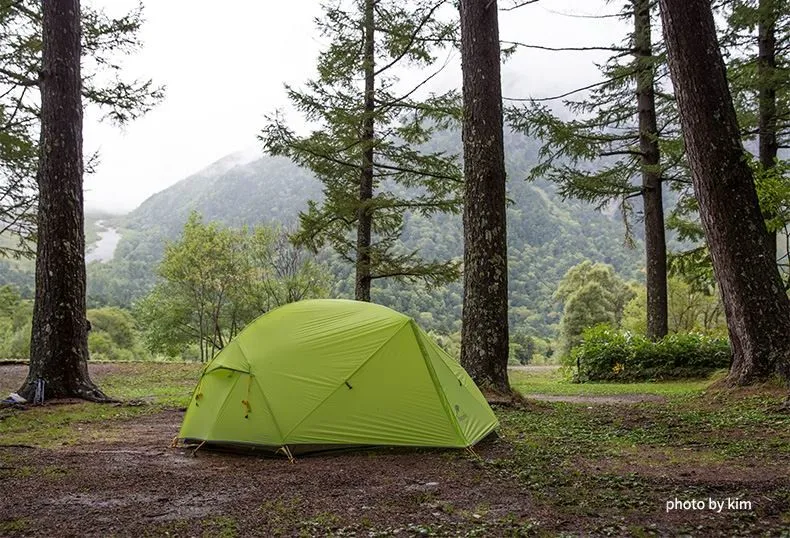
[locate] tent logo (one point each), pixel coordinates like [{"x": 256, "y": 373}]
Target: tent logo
[{"x": 460, "y": 414}]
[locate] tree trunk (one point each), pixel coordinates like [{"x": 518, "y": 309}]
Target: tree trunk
[
  {"x": 655, "y": 241},
  {"x": 484, "y": 344},
  {"x": 365, "y": 214},
  {"x": 59, "y": 341},
  {"x": 755, "y": 303},
  {"x": 766, "y": 68}
]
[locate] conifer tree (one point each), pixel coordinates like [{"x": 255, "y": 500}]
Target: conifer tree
[
  {"x": 756, "y": 306},
  {"x": 622, "y": 143},
  {"x": 105, "y": 41},
  {"x": 59, "y": 341},
  {"x": 370, "y": 139},
  {"x": 757, "y": 43},
  {"x": 485, "y": 331}
]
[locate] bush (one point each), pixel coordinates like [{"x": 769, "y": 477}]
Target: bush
[
  {"x": 102, "y": 348},
  {"x": 606, "y": 354}
]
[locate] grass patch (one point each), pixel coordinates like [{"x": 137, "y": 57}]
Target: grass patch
[
  {"x": 12, "y": 526},
  {"x": 551, "y": 382},
  {"x": 220, "y": 527},
  {"x": 146, "y": 388},
  {"x": 618, "y": 463}
]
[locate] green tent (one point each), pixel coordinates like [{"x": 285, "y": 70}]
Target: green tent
[{"x": 328, "y": 373}]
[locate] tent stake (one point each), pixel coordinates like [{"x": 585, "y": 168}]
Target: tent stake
[
  {"x": 287, "y": 453},
  {"x": 472, "y": 453},
  {"x": 198, "y": 448}
]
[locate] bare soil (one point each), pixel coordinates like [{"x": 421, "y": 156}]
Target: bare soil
[{"x": 127, "y": 481}]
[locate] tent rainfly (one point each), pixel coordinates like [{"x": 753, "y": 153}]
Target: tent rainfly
[{"x": 330, "y": 373}]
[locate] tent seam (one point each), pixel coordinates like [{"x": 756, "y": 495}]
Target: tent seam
[
  {"x": 343, "y": 382},
  {"x": 269, "y": 408},
  {"x": 436, "y": 385},
  {"x": 260, "y": 388},
  {"x": 224, "y": 404}
]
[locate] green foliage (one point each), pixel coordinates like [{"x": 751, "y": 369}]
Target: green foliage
[
  {"x": 113, "y": 335},
  {"x": 693, "y": 263},
  {"x": 214, "y": 280},
  {"x": 611, "y": 355},
  {"x": 408, "y": 177},
  {"x": 546, "y": 237},
  {"x": 105, "y": 41},
  {"x": 739, "y": 38},
  {"x": 16, "y": 317},
  {"x": 690, "y": 310},
  {"x": 117, "y": 323},
  {"x": 591, "y": 147},
  {"x": 592, "y": 294}
]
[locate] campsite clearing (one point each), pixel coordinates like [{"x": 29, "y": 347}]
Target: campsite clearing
[{"x": 597, "y": 467}]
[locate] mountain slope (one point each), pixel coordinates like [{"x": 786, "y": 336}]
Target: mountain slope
[{"x": 546, "y": 236}]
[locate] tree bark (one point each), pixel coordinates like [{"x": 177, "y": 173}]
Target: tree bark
[
  {"x": 484, "y": 341},
  {"x": 766, "y": 68},
  {"x": 59, "y": 341},
  {"x": 364, "y": 213},
  {"x": 655, "y": 240},
  {"x": 756, "y": 305}
]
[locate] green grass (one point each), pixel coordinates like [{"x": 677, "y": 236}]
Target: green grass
[
  {"x": 162, "y": 384},
  {"x": 142, "y": 388},
  {"x": 618, "y": 462},
  {"x": 551, "y": 382}
]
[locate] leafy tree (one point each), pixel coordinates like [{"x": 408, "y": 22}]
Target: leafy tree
[
  {"x": 15, "y": 314},
  {"x": 755, "y": 302},
  {"x": 118, "y": 324},
  {"x": 484, "y": 345},
  {"x": 592, "y": 294},
  {"x": 690, "y": 310},
  {"x": 214, "y": 280},
  {"x": 369, "y": 142},
  {"x": 104, "y": 41},
  {"x": 523, "y": 348}
]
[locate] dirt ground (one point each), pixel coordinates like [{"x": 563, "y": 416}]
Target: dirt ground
[{"x": 126, "y": 481}]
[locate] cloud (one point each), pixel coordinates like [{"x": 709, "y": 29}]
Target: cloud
[{"x": 224, "y": 65}]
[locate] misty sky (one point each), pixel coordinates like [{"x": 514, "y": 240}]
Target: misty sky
[{"x": 224, "y": 65}]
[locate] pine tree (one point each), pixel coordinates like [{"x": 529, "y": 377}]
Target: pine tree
[
  {"x": 755, "y": 304},
  {"x": 59, "y": 343},
  {"x": 484, "y": 344},
  {"x": 104, "y": 41},
  {"x": 369, "y": 146},
  {"x": 756, "y": 45},
  {"x": 611, "y": 151},
  {"x": 757, "y": 42}
]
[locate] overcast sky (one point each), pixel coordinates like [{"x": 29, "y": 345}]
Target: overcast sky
[{"x": 224, "y": 65}]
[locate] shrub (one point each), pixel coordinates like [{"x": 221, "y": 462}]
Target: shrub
[
  {"x": 102, "y": 348},
  {"x": 606, "y": 354}
]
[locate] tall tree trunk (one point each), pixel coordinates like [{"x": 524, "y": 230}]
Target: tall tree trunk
[
  {"x": 365, "y": 214},
  {"x": 755, "y": 303},
  {"x": 766, "y": 71},
  {"x": 655, "y": 241},
  {"x": 59, "y": 341},
  {"x": 484, "y": 343}
]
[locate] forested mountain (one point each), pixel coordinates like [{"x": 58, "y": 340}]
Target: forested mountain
[{"x": 546, "y": 236}]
